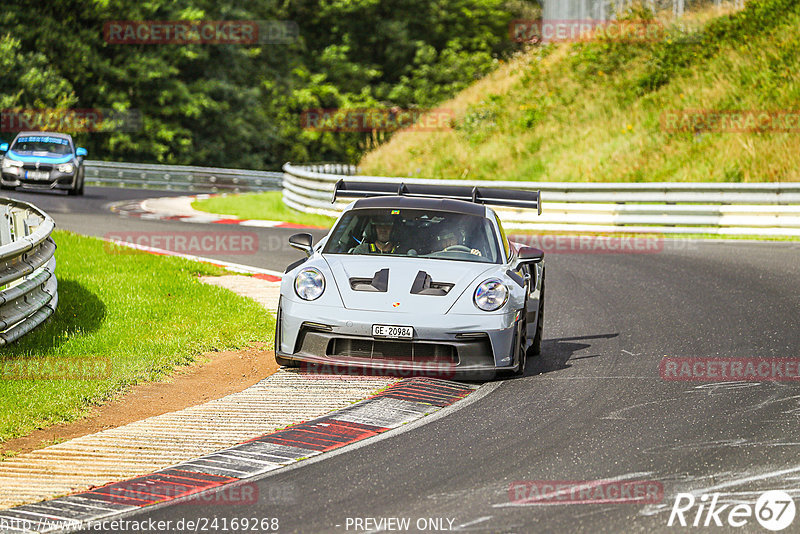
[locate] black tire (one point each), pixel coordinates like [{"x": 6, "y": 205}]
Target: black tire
[
  {"x": 278, "y": 359},
  {"x": 6, "y": 187},
  {"x": 78, "y": 189},
  {"x": 522, "y": 341},
  {"x": 536, "y": 347}
]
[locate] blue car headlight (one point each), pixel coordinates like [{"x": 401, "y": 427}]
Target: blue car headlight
[
  {"x": 309, "y": 284},
  {"x": 65, "y": 168},
  {"x": 490, "y": 295}
]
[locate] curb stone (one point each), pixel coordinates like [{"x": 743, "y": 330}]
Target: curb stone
[
  {"x": 179, "y": 209},
  {"x": 401, "y": 403}
]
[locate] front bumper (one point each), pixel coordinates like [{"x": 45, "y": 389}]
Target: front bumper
[
  {"x": 444, "y": 346},
  {"x": 15, "y": 177}
]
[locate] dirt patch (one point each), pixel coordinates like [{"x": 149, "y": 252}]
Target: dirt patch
[{"x": 226, "y": 372}]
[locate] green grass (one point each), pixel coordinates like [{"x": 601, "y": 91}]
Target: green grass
[
  {"x": 593, "y": 111},
  {"x": 268, "y": 205},
  {"x": 142, "y": 313}
]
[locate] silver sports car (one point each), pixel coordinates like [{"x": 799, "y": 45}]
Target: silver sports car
[{"x": 414, "y": 280}]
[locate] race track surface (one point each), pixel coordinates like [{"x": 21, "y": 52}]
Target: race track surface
[{"x": 593, "y": 406}]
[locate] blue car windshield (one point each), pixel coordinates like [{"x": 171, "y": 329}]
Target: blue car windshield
[
  {"x": 415, "y": 232},
  {"x": 33, "y": 145}
]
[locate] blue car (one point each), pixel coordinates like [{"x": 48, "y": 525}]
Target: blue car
[{"x": 43, "y": 160}]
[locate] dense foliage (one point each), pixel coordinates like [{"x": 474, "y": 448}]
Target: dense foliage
[
  {"x": 240, "y": 105},
  {"x": 605, "y": 109}
]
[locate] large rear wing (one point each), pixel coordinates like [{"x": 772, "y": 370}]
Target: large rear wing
[{"x": 495, "y": 196}]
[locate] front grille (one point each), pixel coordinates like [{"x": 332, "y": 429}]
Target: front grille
[
  {"x": 400, "y": 351},
  {"x": 42, "y": 167}
]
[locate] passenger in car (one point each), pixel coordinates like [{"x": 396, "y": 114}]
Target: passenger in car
[{"x": 451, "y": 241}]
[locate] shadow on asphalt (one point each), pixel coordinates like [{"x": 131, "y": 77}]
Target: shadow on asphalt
[{"x": 557, "y": 352}]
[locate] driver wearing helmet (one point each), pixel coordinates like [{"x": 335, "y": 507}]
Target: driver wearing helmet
[{"x": 379, "y": 237}]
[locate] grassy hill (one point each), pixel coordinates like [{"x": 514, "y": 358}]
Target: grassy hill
[{"x": 595, "y": 110}]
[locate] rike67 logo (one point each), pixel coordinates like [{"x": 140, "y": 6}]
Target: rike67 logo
[{"x": 774, "y": 510}]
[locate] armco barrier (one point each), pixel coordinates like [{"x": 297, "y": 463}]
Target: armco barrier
[
  {"x": 180, "y": 177},
  {"x": 758, "y": 209},
  {"x": 28, "y": 286}
]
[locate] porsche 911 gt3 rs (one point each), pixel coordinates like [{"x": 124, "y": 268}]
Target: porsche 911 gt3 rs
[{"x": 415, "y": 279}]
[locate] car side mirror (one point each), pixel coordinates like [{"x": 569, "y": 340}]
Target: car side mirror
[
  {"x": 4, "y": 147},
  {"x": 303, "y": 242},
  {"x": 530, "y": 255},
  {"x": 81, "y": 152}
]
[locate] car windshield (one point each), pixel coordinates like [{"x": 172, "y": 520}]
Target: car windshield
[
  {"x": 43, "y": 144},
  {"x": 414, "y": 232}
]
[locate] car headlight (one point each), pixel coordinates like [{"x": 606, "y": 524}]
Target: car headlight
[
  {"x": 491, "y": 295},
  {"x": 309, "y": 284},
  {"x": 8, "y": 163},
  {"x": 65, "y": 167}
]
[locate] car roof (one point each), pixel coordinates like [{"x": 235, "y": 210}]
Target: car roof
[
  {"x": 48, "y": 134},
  {"x": 423, "y": 203}
]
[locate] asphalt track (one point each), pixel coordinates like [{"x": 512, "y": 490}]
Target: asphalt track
[
  {"x": 90, "y": 215},
  {"x": 593, "y": 406}
]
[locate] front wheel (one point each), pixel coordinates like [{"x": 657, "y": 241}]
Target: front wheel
[
  {"x": 78, "y": 189},
  {"x": 75, "y": 191}
]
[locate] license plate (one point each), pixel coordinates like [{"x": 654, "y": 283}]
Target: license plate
[
  {"x": 393, "y": 332},
  {"x": 37, "y": 175}
]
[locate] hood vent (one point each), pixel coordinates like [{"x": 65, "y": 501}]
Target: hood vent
[
  {"x": 378, "y": 283},
  {"x": 424, "y": 285}
]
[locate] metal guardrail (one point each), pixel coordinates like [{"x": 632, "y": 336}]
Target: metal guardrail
[
  {"x": 180, "y": 177},
  {"x": 28, "y": 286},
  {"x": 657, "y": 207}
]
